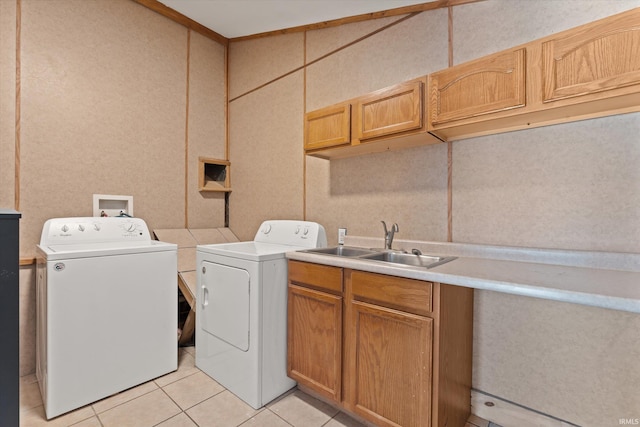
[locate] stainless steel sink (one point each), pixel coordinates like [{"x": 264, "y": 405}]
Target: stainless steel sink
[
  {"x": 393, "y": 257},
  {"x": 346, "y": 251},
  {"x": 426, "y": 261}
]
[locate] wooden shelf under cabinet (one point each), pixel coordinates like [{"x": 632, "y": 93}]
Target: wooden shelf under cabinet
[{"x": 213, "y": 174}]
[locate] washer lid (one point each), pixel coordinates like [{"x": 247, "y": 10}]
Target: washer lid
[
  {"x": 88, "y": 250},
  {"x": 252, "y": 251}
]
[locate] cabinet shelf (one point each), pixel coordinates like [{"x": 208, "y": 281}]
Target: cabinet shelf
[{"x": 213, "y": 174}]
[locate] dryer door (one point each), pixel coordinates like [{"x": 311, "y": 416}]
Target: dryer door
[{"x": 225, "y": 303}]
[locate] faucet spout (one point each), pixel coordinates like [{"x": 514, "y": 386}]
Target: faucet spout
[{"x": 389, "y": 234}]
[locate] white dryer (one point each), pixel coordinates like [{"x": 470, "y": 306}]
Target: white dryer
[
  {"x": 241, "y": 314},
  {"x": 106, "y": 309}
]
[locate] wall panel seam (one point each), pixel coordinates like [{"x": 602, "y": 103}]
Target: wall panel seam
[
  {"x": 304, "y": 109},
  {"x": 17, "y": 108},
  {"x": 404, "y": 18},
  {"x": 186, "y": 134},
  {"x": 449, "y": 143}
]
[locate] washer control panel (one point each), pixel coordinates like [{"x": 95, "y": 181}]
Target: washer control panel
[
  {"x": 77, "y": 230},
  {"x": 290, "y": 232}
]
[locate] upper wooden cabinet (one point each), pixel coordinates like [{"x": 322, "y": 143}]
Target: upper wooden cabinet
[
  {"x": 389, "y": 111},
  {"x": 582, "y": 73},
  {"x": 488, "y": 85},
  {"x": 387, "y": 119},
  {"x": 328, "y": 127},
  {"x": 598, "y": 57}
]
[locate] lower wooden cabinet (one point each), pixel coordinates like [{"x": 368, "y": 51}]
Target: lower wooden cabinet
[
  {"x": 315, "y": 340},
  {"x": 393, "y": 351},
  {"x": 314, "y": 328},
  {"x": 388, "y": 368}
]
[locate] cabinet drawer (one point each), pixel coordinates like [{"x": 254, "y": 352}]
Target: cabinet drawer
[
  {"x": 412, "y": 296},
  {"x": 316, "y": 276}
]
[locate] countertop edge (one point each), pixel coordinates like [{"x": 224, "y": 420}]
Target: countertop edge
[{"x": 515, "y": 287}]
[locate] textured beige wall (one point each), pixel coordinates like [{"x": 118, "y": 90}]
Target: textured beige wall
[
  {"x": 570, "y": 186},
  {"x": 252, "y": 63},
  {"x": 207, "y": 127},
  {"x": 407, "y": 187},
  {"x": 103, "y": 97},
  {"x": 494, "y": 25},
  {"x": 266, "y": 155},
  {"x": 573, "y": 186},
  {"x": 412, "y": 48},
  {"x": 103, "y": 94},
  {"x": 7, "y": 102}
]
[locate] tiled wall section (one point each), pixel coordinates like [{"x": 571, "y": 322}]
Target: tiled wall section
[{"x": 569, "y": 186}]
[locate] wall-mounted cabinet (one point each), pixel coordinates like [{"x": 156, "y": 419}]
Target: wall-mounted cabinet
[
  {"x": 213, "y": 174},
  {"x": 328, "y": 127},
  {"x": 586, "y": 72},
  {"x": 599, "y": 57},
  {"x": 387, "y": 119},
  {"x": 488, "y": 85}
]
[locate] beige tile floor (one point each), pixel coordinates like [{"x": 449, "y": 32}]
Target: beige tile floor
[{"x": 186, "y": 398}]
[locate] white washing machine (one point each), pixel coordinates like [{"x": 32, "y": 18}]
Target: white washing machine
[
  {"x": 241, "y": 314},
  {"x": 106, "y": 309}
]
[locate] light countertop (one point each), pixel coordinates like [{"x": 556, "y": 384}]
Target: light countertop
[{"x": 608, "y": 280}]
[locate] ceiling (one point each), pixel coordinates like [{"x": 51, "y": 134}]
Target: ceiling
[{"x": 239, "y": 18}]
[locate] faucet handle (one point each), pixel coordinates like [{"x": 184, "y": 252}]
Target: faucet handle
[
  {"x": 395, "y": 228},
  {"x": 384, "y": 224}
]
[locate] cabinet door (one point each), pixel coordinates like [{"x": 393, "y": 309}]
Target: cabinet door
[
  {"x": 492, "y": 84},
  {"x": 593, "y": 58},
  {"x": 327, "y": 127},
  {"x": 390, "y": 384},
  {"x": 314, "y": 344},
  {"x": 389, "y": 111}
]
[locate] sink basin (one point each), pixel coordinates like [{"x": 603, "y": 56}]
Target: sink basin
[
  {"x": 346, "y": 251},
  {"x": 426, "y": 261}
]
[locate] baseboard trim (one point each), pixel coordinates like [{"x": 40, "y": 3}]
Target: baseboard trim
[{"x": 509, "y": 414}]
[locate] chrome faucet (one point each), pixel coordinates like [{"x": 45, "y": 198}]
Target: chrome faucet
[{"x": 388, "y": 234}]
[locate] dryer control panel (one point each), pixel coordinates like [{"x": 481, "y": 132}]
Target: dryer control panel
[
  {"x": 290, "y": 232},
  {"x": 76, "y": 230}
]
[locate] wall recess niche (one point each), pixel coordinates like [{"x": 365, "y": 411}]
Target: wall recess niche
[{"x": 213, "y": 174}]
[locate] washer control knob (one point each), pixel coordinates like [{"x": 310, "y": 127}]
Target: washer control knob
[
  {"x": 65, "y": 228},
  {"x": 297, "y": 230},
  {"x": 80, "y": 227},
  {"x": 96, "y": 227},
  {"x": 130, "y": 227},
  {"x": 306, "y": 231},
  {"x": 266, "y": 229}
]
